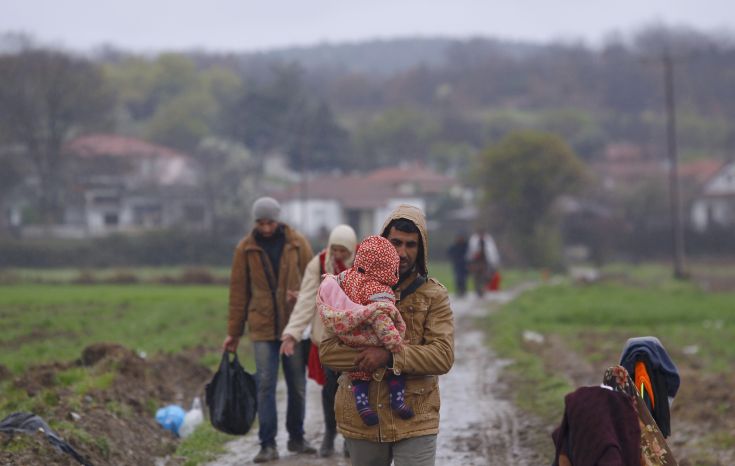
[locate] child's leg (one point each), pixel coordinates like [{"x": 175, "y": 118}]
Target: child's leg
[
  {"x": 361, "y": 390},
  {"x": 397, "y": 387}
]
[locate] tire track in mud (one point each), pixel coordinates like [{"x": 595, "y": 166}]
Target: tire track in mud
[{"x": 477, "y": 428}]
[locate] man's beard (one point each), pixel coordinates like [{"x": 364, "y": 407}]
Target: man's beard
[{"x": 402, "y": 276}]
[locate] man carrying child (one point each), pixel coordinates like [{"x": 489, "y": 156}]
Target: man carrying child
[{"x": 426, "y": 353}]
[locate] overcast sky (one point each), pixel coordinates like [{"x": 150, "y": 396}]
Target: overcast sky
[{"x": 150, "y": 25}]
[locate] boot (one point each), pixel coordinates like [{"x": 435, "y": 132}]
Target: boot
[
  {"x": 327, "y": 448},
  {"x": 300, "y": 446},
  {"x": 266, "y": 453}
]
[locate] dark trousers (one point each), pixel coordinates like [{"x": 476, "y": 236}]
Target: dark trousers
[
  {"x": 329, "y": 391},
  {"x": 460, "y": 281},
  {"x": 266, "y": 377}
]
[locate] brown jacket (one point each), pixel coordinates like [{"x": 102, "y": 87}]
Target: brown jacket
[
  {"x": 251, "y": 299},
  {"x": 429, "y": 352}
]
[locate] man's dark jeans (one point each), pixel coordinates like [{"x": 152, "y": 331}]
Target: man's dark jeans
[{"x": 266, "y": 377}]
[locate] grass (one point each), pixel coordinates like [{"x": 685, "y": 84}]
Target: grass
[
  {"x": 442, "y": 271},
  {"x": 46, "y": 317},
  {"x": 45, "y": 323},
  {"x": 203, "y": 445},
  {"x": 678, "y": 313},
  {"x": 106, "y": 274},
  {"x": 595, "y": 320}
]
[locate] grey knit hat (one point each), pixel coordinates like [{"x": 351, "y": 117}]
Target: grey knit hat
[{"x": 266, "y": 208}]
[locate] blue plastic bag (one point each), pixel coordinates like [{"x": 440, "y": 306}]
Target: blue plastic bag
[{"x": 171, "y": 417}]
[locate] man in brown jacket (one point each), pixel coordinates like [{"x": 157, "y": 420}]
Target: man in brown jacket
[
  {"x": 266, "y": 275},
  {"x": 428, "y": 353}
]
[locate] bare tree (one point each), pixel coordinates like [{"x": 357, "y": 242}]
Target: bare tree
[{"x": 44, "y": 96}]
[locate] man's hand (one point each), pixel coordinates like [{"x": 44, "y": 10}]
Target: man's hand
[
  {"x": 287, "y": 345},
  {"x": 292, "y": 296},
  {"x": 372, "y": 358},
  {"x": 230, "y": 344}
]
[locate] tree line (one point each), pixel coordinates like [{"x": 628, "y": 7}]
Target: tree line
[{"x": 439, "y": 102}]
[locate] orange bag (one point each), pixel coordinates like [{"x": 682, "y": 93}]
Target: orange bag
[{"x": 494, "y": 283}]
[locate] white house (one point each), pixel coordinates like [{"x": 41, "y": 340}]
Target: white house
[
  {"x": 321, "y": 202},
  {"x": 123, "y": 184},
  {"x": 715, "y": 205}
]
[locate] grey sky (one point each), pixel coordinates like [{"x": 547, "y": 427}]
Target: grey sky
[{"x": 252, "y": 25}]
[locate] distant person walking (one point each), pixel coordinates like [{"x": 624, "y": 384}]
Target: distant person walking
[
  {"x": 335, "y": 258},
  {"x": 267, "y": 269},
  {"x": 457, "y": 253},
  {"x": 483, "y": 259}
]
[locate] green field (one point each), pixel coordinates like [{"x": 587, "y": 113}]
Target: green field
[
  {"x": 680, "y": 316},
  {"x": 51, "y": 315},
  {"x": 594, "y": 320},
  {"x": 442, "y": 271},
  {"x": 44, "y": 323},
  {"x": 119, "y": 275},
  {"x": 47, "y": 316}
]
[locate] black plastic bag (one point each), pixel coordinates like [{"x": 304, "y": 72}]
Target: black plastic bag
[{"x": 232, "y": 398}]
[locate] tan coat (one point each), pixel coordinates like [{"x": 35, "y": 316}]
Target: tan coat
[
  {"x": 251, "y": 299},
  {"x": 429, "y": 352}
]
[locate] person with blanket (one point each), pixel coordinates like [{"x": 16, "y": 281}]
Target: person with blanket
[
  {"x": 366, "y": 315},
  {"x": 335, "y": 258},
  {"x": 609, "y": 425}
]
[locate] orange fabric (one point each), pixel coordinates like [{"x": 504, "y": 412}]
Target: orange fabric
[
  {"x": 642, "y": 378},
  {"x": 494, "y": 283}
]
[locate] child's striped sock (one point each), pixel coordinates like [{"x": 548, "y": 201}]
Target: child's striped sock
[{"x": 360, "y": 389}]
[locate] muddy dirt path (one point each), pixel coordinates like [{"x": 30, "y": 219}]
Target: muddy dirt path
[{"x": 478, "y": 426}]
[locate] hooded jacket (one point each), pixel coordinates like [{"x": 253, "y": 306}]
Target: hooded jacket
[
  {"x": 255, "y": 295},
  {"x": 374, "y": 272},
  {"x": 304, "y": 312},
  {"x": 428, "y": 352}
]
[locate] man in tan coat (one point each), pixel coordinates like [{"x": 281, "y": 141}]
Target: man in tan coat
[
  {"x": 267, "y": 269},
  {"x": 428, "y": 353}
]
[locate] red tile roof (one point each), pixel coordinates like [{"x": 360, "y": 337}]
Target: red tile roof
[
  {"x": 700, "y": 171},
  {"x": 427, "y": 180},
  {"x": 629, "y": 170},
  {"x": 352, "y": 191},
  {"x": 114, "y": 145},
  {"x": 371, "y": 190}
]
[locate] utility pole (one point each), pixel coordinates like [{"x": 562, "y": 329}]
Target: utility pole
[{"x": 677, "y": 229}]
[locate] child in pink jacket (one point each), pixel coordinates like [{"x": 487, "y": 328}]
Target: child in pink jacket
[{"x": 359, "y": 306}]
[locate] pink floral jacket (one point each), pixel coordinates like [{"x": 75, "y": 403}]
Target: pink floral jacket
[{"x": 356, "y": 325}]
